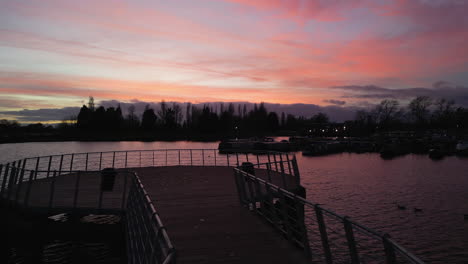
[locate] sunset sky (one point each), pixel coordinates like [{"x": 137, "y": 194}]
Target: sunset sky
[{"x": 54, "y": 54}]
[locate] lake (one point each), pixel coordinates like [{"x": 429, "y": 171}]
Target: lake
[{"x": 362, "y": 186}]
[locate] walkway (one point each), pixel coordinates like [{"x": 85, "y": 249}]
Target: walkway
[{"x": 205, "y": 221}]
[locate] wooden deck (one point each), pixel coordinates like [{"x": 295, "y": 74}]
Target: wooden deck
[{"x": 198, "y": 205}]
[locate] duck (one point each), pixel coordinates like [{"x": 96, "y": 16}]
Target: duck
[{"x": 401, "y": 207}]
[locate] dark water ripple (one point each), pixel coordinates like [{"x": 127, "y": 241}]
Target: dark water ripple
[{"x": 368, "y": 189}]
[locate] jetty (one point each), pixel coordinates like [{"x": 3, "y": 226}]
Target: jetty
[{"x": 198, "y": 206}]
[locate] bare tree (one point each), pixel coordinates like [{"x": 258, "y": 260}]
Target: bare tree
[
  {"x": 91, "y": 105},
  {"x": 177, "y": 113},
  {"x": 387, "y": 112},
  {"x": 163, "y": 111},
  {"x": 444, "y": 112},
  {"x": 419, "y": 109}
]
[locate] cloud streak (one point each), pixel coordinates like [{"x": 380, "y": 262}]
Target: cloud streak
[
  {"x": 439, "y": 90},
  {"x": 298, "y": 51}
]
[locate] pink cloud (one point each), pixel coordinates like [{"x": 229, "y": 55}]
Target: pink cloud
[{"x": 282, "y": 62}]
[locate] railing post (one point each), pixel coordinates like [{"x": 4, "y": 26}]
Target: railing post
[
  {"x": 139, "y": 166},
  {"x": 113, "y": 159},
  {"x": 351, "y": 241},
  {"x": 273, "y": 209},
  {"x": 37, "y": 167},
  {"x": 126, "y": 159},
  {"x": 100, "y": 161},
  {"x": 15, "y": 176},
  {"x": 227, "y": 158},
  {"x": 11, "y": 179},
  {"x": 28, "y": 190},
  {"x": 247, "y": 157},
  {"x": 276, "y": 163},
  {"x": 48, "y": 167},
  {"x": 86, "y": 161},
  {"x": 268, "y": 167},
  {"x": 323, "y": 234},
  {"x": 5, "y": 176},
  {"x": 153, "y": 158},
  {"x": 296, "y": 170},
  {"x": 259, "y": 196},
  {"x": 20, "y": 183},
  {"x": 300, "y": 218},
  {"x": 283, "y": 175},
  {"x": 191, "y": 158},
  {"x": 214, "y": 155},
  {"x": 284, "y": 211},
  {"x": 258, "y": 161},
  {"x": 166, "y": 157},
  {"x": 237, "y": 159},
  {"x": 238, "y": 179},
  {"x": 52, "y": 189},
  {"x": 77, "y": 187},
  {"x": 289, "y": 165},
  {"x": 60, "y": 167},
  {"x": 252, "y": 199},
  {"x": 1, "y": 178},
  {"x": 100, "y": 197},
  {"x": 124, "y": 191},
  {"x": 390, "y": 256},
  {"x": 24, "y": 164},
  {"x": 71, "y": 162},
  {"x": 179, "y": 157},
  {"x": 203, "y": 157}
]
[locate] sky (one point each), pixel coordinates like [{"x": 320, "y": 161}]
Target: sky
[{"x": 353, "y": 53}]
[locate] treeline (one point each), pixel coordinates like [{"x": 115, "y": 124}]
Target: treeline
[
  {"x": 210, "y": 122},
  {"x": 172, "y": 119},
  {"x": 422, "y": 113}
]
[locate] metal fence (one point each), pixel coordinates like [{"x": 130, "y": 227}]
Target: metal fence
[
  {"x": 78, "y": 191},
  {"x": 323, "y": 235},
  {"x": 147, "y": 239},
  {"x": 18, "y": 173}
]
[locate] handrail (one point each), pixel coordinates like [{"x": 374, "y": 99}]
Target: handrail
[
  {"x": 147, "y": 238},
  {"x": 296, "y": 216},
  {"x": 148, "y": 241},
  {"x": 149, "y": 150},
  {"x": 44, "y": 166}
]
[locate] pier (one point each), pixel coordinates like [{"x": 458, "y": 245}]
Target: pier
[{"x": 199, "y": 206}]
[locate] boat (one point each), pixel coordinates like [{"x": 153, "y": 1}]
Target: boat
[
  {"x": 462, "y": 148},
  {"x": 253, "y": 145},
  {"x": 323, "y": 148},
  {"x": 436, "y": 154}
]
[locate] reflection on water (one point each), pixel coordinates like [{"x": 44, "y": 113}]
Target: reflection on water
[
  {"x": 369, "y": 189},
  {"x": 21, "y": 150},
  {"x": 362, "y": 186}
]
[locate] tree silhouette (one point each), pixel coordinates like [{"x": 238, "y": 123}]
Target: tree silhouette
[{"x": 148, "y": 120}]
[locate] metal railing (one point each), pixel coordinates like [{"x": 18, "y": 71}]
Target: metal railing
[
  {"x": 78, "y": 191},
  {"x": 17, "y": 172},
  {"x": 147, "y": 239},
  {"x": 323, "y": 235}
]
